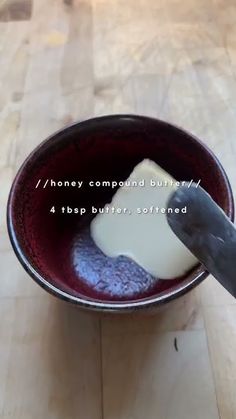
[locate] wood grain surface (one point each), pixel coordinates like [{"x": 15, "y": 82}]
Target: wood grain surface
[{"x": 62, "y": 61}]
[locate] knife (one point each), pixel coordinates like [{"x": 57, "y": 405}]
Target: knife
[{"x": 206, "y": 231}]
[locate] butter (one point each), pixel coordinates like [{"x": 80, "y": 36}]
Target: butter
[{"x": 134, "y": 224}]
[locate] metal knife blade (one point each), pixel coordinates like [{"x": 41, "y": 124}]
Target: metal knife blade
[{"x": 206, "y": 231}]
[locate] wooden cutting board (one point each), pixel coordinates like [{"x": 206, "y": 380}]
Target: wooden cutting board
[{"x": 66, "y": 61}]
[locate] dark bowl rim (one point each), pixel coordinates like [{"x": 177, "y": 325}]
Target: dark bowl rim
[{"x": 126, "y": 306}]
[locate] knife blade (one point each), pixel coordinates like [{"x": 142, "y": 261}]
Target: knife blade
[{"x": 206, "y": 231}]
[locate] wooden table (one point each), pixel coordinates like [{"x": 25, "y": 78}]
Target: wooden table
[{"x": 64, "y": 61}]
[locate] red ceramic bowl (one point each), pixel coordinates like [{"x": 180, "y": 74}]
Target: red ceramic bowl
[{"x": 55, "y": 248}]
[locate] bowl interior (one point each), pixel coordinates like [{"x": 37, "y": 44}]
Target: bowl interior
[{"x": 57, "y": 247}]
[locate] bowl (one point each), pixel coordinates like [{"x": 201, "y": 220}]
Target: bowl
[{"x": 55, "y": 247}]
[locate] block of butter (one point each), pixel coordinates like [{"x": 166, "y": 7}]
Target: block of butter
[{"x": 134, "y": 224}]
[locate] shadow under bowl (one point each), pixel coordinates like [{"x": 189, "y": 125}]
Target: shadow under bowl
[{"x": 57, "y": 250}]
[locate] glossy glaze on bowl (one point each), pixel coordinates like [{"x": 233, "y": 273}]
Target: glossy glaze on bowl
[{"x": 56, "y": 249}]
